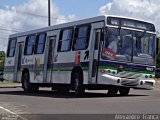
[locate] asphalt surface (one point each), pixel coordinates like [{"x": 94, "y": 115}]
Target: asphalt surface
[{"x": 13, "y": 101}]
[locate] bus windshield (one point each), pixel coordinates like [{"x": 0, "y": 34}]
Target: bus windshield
[{"x": 129, "y": 46}]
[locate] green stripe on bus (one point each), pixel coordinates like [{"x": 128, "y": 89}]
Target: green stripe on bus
[
  {"x": 129, "y": 70},
  {"x": 107, "y": 67},
  {"x": 144, "y": 72},
  {"x": 66, "y": 69}
]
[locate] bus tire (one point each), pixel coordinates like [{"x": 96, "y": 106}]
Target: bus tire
[
  {"x": 26, "y": 85},
  {"x": 77, "y": 83},
  {"x": 112, "y": 91},
  {"x": 124, "y": 91}
]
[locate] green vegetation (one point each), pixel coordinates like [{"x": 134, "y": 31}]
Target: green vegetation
[
  {"x": 7, "y": 83},
  {"x": 157, "y": 79},
  {"x": 2, "y": 58}
]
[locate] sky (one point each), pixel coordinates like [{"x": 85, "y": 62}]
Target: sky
[
  {"x": 23, "y": 15},
  {"x": 79, "y": 7}
]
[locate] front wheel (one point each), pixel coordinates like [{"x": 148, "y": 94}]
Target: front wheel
[
  {"x": 77, "y": 83},
  {"x": 124, "y": 91},
  {"x": 112, "y": 91}
]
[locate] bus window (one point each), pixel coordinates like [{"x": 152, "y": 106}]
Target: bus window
[
  {"x": 145, "y": 48},
  {"x": 11, "y": 47},
  {"x": 127, "y": 44},
  {"x": 40, "y": 44},
  {"x": 111, "y": 49},
  {"x": 29, "y": 46},
  {"x": 65, "y": 39},
  {"x": 81, "y": 38}
]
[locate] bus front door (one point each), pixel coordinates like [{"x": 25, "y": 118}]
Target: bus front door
[{"x": 95, "y": 52}]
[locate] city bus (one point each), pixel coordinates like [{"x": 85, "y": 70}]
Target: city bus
[{"x": 109, "y": 53}]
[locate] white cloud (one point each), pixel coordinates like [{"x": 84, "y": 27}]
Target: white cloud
[
  {"x": 30, "y": 15},
  {"x": 142, "y": 9}
]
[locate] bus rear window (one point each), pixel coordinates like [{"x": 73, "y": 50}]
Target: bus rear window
[{"x": 11, "y": 47}]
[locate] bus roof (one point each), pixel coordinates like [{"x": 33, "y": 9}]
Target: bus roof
[
  {"x": 74, "y": 23},
  {"x": 63, "y": 25}
]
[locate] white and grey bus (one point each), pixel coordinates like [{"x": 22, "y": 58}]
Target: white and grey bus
[{"x": 105, "y": 52}]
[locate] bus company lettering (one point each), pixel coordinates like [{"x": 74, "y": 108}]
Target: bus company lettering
[
  {"x": 109, "y": 52},
  {"x": 77, "y": 58},
  {"x": 26, "y": 60}
]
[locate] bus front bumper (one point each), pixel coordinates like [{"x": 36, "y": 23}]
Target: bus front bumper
[{"x": 132, "y": 83}]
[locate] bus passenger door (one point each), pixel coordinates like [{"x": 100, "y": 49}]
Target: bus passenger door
[
  {"x": 50, "y": 57},
  {"x": 94, "y": 52},
  {"x": 18, "y": 59}
]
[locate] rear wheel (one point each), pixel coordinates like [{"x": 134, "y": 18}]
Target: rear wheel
[
  {"x": 112, "y": 91},
  {"x": 26, "y": 85},
  {"x": 77, "y": 83},
  {"x": 124, "y": 91}
]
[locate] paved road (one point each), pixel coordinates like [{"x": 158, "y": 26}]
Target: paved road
[{"x": 15, "y": 101}]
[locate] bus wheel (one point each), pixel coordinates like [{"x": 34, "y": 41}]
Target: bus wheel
[
  {"x": 26, "y": 85},
  {"x": 124, "y": 91},
  {"x": 78, "y": 83},
  {"x": 112, "y": 91}
]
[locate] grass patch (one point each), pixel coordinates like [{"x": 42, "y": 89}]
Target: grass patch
[
  {"x": 8, "y": 83},
  {"x": 157, "y": 79}
]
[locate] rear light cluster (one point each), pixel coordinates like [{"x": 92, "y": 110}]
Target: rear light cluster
[{"x": 108, "y": 71}]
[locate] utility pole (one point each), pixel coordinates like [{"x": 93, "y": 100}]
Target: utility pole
[{"x": 49, "y": 12}]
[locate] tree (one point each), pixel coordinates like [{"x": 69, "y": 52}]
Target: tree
[{"x": 2, "y": 58}]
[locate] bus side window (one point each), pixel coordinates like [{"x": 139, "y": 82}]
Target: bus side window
[
  {"x": 65, "y": 38},
  {"x": 11, "y": 47},
  {"x": 81, "y": 38},
  {"x": 29, "y": 45},
  {"x": 40, "y": 44}
]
